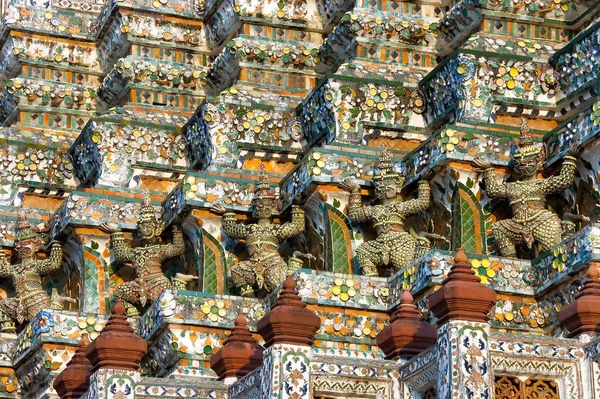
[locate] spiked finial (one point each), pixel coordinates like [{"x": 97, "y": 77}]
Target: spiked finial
[
  {"x": 118, "y": 346},
  {"x": 147, "y": 212},
  {"x": 24, "y": 230},
  {"x": 525, "y": 138},
  {"x": 240, "y": 353},
  {"x": 582, "y": 316},
  {"x": 386, "y": 166},
  {"x": 408, "y": 334},
  {"x": 263, "y": 188},
  {"x": 462, "y": 295}
]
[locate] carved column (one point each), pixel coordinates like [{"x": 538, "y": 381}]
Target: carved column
[
  {"x": 288, "y": 331},
  {"x": 462, "y": 305}
]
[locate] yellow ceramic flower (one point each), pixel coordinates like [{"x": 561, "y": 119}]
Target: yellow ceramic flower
[
  {"x": 344, "y": 289},
  {"x": 560, "y": 257},
  {"x": 483, "y": 269},
  {"x": 214, "y": 309}
]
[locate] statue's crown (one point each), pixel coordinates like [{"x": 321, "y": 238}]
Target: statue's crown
[
  {"x": 527, "y": 149},
  {"x": 24, "y": 230},
  {"x": 147, "y": 212},
  {"x": 263, "y": 188},
  {"x": 385, "y": 168}
]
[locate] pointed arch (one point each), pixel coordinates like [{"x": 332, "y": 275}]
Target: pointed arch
[
  {"x": 340, "y": 256},
  {"x": 468, "y": 222},
  {"x": 214, "y": 276}
]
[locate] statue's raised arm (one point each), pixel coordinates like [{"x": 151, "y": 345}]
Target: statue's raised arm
[
  {"x": 295, "y": 227},
  {"x": 53, "y": 262},
  {"x": 566, "y": 176},
  {"x": 493, "y": 188},
  {"x": 423, "y": 200},
  {"x": 229, "y": 225},
  {"x": 177, "y": 247},
  {"x": 121, "y": 251}
]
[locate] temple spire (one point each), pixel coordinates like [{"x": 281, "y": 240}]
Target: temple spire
[
  {"x": 582, "y": 316},
  {"x": 117, "y": 346},
  {"x": 462, "y": 296},
  {"x": 240, "y": 353}
]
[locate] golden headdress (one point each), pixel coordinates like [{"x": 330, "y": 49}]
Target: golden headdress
[
  {"x": 263, "y": 188},
  {"x": 147, "y": 212},
  {"x": 385, "y": 169},
  {"x": 527, "y": 149}
]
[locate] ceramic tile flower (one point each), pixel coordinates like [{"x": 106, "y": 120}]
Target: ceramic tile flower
[
  {"x": 483, "y": 268},
  {"x": 214, "y": 309},
  {"x": 449, "y": 140},
  {"x": 344, "y": 289},
  {"x": 560, "y": 258},
  {"x": 44, "y": 322},
  {"x": 61, "y": 328},
  {"x": 91, "y": 326},
  {"x": 167, "y": 304}
]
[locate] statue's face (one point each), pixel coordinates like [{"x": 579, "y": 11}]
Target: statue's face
[
  {"x": 146, "y": 230},
  {"x": 263, "y": 208},
  {"x": 526, "y": 167},
  {"x": 27, "y": 248},
  {"x": 386, "y": 189}
]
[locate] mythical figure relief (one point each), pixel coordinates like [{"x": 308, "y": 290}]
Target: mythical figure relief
[
  {"x": 265, "y": 267},
  {"x": 393, "y": 246},
  {"x": 531, "y": 222},
  {"x": 147, "y": 260},
  {"x": 27, "y": 277}
]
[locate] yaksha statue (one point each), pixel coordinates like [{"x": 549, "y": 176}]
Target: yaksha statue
[
  {"x": 531, "y": 221},
  {"x": 265, "y": 267},
  {"x": 393, "y": 246},
  {"x": 27, "y": 277},
  {"x": 147, "y": 260}
]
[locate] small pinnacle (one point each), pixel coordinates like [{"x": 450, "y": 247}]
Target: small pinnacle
[
  {"x": 85, "y": 340},
  {"x": 240, "y": 320},
  {"x": 406, "y": 297},
  {"x": 118, "y": 308},
  {"x": 593, "y": 272},
  {"x": 461, "y": 256},
  {"x": 289, "y": 283}
]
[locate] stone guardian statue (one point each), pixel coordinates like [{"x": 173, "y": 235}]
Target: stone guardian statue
[
  {"x": 265, "y": 267},
  {"x": 147, "y": 260},
  {"x": 27, "y": 277},
  {"x": 393, "y": 246},
  {"x": 531, "y": 222}
]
